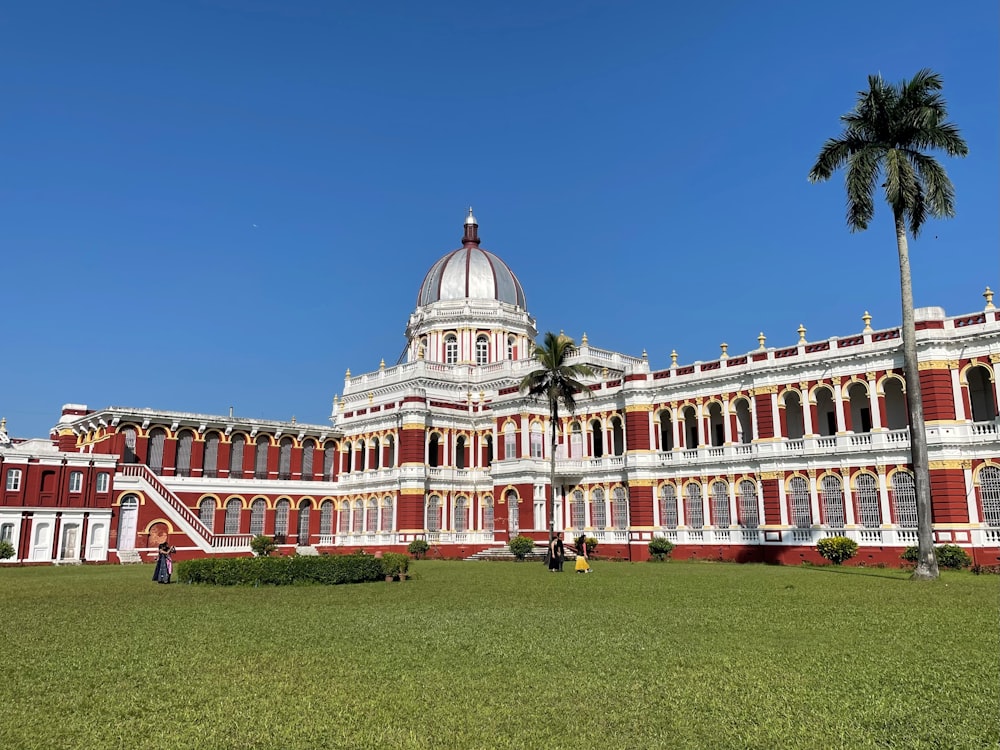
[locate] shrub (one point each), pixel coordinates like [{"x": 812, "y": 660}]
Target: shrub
[
  {"x": 521, "y": 546},
  {"x": 418, "y": 548},
  {"x": 836, "y": 549},
  {"x": 262, "y": 545},
  {"x": 395, "y": 564},
  {"x": 948, "y": 556},
  {"x": 660, "y": 549},
  {"x": 6, "y": 550},
  {"x": 591, "y": 543},
  {"x": 281, "y": 571}
]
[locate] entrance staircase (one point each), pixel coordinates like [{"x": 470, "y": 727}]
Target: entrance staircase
[{"x": 503, "y": 553}]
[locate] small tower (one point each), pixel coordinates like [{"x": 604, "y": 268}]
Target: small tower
[{"x": 471, "y": 237}]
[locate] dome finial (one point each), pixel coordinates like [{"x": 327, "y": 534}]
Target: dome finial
[
  {"x": 470, "y": 219},
  {"x": 471, "y": 235}
]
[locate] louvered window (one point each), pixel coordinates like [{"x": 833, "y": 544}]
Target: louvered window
[
  {"x": 371, "y": 517},
  {"x": 75, "y": 481},
  {"x": 536, "y": 441},
  {"x": 482, "y": 350},
  {"x": 461, "y": 515},
  {"x": 308, "y": 449},
  {"x": 450, "y": 350},
  {"x": 236, "y": 457},
  {"x": 866, "y": 501},
  {"x": 184, "y": 444},
  {"x": 344, "y": 518},
  {"x": 326, "y": 518},
  {"x": 329, "y": 456},
  {"x": 692, "y": 506},
  {"x": 281, "y": 518},
  {"x": 832, "y": 499},
  {"x": 749, "y": 512},
  {"x": 358, "y": 518},
  {"x": 210, "y": 464},
  {"x": 130, "y": 456},
  {"x": 598, "y": 509},
  {"x": 509, "y": 442},
  {"x": 156, "y": 440},
  {"x": 904, "y": 500},
  {"x": 989, "y": 493},
  {"x": 386, "y": 522},
  {"x": 103, "y": 480},
  {"x": 233, "y": 516},
  {"x": 303, "y": 530},
  {"x": 798, "y": 489},
  {"x": 578, "y": 511},
  {"x": 720, "y": 504},
  {"x": 433, "y": 513},
  {"x": 260, "y": 457},
  {"x": 206, "y": 512},
  {"x": 668, "y": 506},
  {"x": 619, "y": 508},
  {"x": 257, "y": 509},
  {"x": 285, "y": 458},
  {"x": 488, "y": 514}
]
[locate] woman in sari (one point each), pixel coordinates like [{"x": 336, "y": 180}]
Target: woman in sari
[
  {"x": 164, "y": 564},
  {"x": 582, "y": 563}
]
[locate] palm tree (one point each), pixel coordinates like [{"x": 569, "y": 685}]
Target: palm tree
[
  {"x": 883, "y": 144},
  {"x": 555, "y": 381}
]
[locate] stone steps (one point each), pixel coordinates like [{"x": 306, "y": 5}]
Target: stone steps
[{"x": 503, "y": 553}]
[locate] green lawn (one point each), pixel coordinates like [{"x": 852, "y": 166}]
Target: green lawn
[{"x": 503, "y": 655}]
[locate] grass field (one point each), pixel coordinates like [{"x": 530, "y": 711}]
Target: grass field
[{"x": 503, "y": 655}]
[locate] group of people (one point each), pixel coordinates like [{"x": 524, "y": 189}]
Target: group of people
[
  {"x": 557, "y": 554},
  {"x": 164, "y": 563}
]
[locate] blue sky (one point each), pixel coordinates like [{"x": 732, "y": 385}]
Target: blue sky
[{"x": 230, "y": 202}]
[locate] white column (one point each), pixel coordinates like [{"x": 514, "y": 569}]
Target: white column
[
  {"x": 970, "y": 497},
  {"x": 956, "y": 393},
  {"x": 706, "y": 499},
  {"x": 674, "y": 427},
  {"x": 838, "y": 400},
  {"x": 775, "y": 416},
  {"x": 782, "y": 502},
  {"x": 699, "y": 416},
  {"x": 653, "y": 428},
  {"x": 727, "y": 424},
  {"x": 814, "y": 500},
  {"x": 849, "y": 515},
  {"x": 996, "y": 380},
  {"x": 873, "y": 402},
  {"x": 883, "y": 496},
  {"x": 807, "y": 414},
  {"x": 681, "y": 500},
  {"x": 733, "y": 514}
]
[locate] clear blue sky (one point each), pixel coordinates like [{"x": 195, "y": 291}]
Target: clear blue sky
[{"x": 230, "y": 202}]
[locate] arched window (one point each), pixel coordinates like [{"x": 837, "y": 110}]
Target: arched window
[
  {"x": 798, "y": 491},
  {"x": 326, "y": 518},
  {"x": 744, "y": 421},
  {"x": 866, "y": 501},
  {"x": 511, "y": 341},
  {"x": 488, "y": 443},
  {"x": 371, "y": 517},
  {"x": 749, "y": 514},
  {"x": 308, "y": 454},
  {"x": 692, "y": 506},
  {"x": 690, "y": 427},
  {"x": 461, "y": 515},
  {"x": 390, "y": 445},
  {"x": 575, "y": 441},
  {"x": 617, "y": 437},
  {"x": 832, "y": 501},
  {"x": 826, "y": 413},
  {"x": 386, "y": 522},
  {"x": 232, "y": 517},
  {"x": 460, "y": 452},
  {"x": 362, "y": 449},
  {"x": 597, "y": 436},
  {"x": 488, "y": 514},
  {"x": 127, "y": 519},
  {"x": 260, "y": 458},
  {"x": 184, "y": 443},
  {"x": 433, "y": 522},
  {"x": 236, "y": 457},
  {"x": 358, "y": 517},
  {"x": 210, "y": 462},
  {"x": 537, "y": 441},
  {"x": 984, "y": 407},
  {"x": 206, "y": 512},
  {"x": 794, "y": 424},
  {"x": 433, "y": 450},
  {"x": 303, "y": 531},
  {"x": 895, "y": 404},
  {"x": 157, "y": 437},
  {"x": 284, "y": 458},
  {"x": 376, "y": 453},
  {"x": 716, "y": 427},
  {"x": 329, "y": 456},
  {"x": 861, "y": 410},
  {"x": 720, "y": 504},
  {"x": 619, "y": 508},
  {"x": 668, "y": 506},
  {"x": 598, "y": 509},
  {"x": 257, "y": 509},
  {"x": 482, "y": 350},
  {"x": 129, "y": 456},
  {"x": 509, "y": 442},
  {"x": 450, "y": 349},
  {"x": 989, "y": 495},
  {"x": 666, "y": 431},
  {"x": 344, "y": 518},
  {"x": 281, "y": 519},
  {"x": 904, "y": 500},
  {"x": 513, "y": 516},
  {"x": 578, "y": 511}
]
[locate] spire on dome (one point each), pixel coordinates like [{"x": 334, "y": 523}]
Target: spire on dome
[{"x": 471, "y": 235}]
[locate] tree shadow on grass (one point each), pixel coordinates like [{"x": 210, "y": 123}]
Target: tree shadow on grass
[{"x": 853, "y": 570}]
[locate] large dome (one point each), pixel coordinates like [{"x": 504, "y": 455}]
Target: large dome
[{"x": 471, "y": 273}]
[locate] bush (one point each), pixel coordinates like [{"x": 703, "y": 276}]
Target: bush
[
  {"x": 660, "y": 549},
  {"x": 395, "y": 564},
  {"x": 281, "y": 571},
  {"x": 591, "y": 543},
  {"x": 948, "y": 556},
  {"x": 836, "y": 549},
  {"x": 418, "y": 548},
  {"x": 521, "y": 546},
  {"x": 262, "y": 545},
  {"x": 6, "y": 550}
]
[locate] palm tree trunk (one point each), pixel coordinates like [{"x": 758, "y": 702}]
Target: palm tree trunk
[
  {"x": 927, "y": 567},
  {"x": 552, "y": 471}
]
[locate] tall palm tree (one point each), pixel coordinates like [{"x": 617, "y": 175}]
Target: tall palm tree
[
  {"x": 883, "y": 144},
  {"x": 555, "y": 381}
]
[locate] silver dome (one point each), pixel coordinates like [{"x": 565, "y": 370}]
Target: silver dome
[{"x": 471, "y": 273}]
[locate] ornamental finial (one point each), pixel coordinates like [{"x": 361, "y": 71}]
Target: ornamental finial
[
  {"x": 761, "y": 338},
  {"x": 988, "y": 294},
  {"x": 867, "y": 318},
  {"x": 802, "y": 334},
  {"x": 673, "y": 358},
  {"x": 470, "y": 219},
  {"x": 583, "y": 339},
  {"x": 725, "y": 350}
]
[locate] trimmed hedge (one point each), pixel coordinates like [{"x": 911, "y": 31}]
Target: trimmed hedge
[{"x": 283, "y": 571}]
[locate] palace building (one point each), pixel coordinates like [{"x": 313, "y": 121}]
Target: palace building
[{"x": 753, "y": 456}]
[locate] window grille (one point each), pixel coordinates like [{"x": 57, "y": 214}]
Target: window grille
[
  {"x": 184, "y": 443},
  {"x": 578, "y": 511},
  {"x": 598, "y": 509},
  {"x": 285, "y": 458},
  {"x": 386, "y": 523},
  {"x": 358, "y": 517},
  {"x": 692, "y": 506},
  {"x": 257, "y": 509},
  {"x": 210, "y": 464},
  {"x": 14, "y": 480},
  {"x": 326, "y": 518},
  {"x": 236, "y": 457},
  {"x": 103, "y": 481},
  {"x": 156, "y": 439},
  {"x": 260, "y": 458},
  {"x": 749, "y": 513},
  {"x": 989, "y": 493},
  {"x": 904, "y": 500},
  {"x": 206, "y": 512},
  {"x": 308, "y": 451},
  {"x": 513, "y": 520},
  {"x": 668, "y": 506},
  {"x": 329, "y": 454},
  {"x": 281, "y": 518},
  {"x": 619, "y": 508},
  {"x": 75, "y": 481},
  {"x": 344, "y": 519},
  {"x": 482, "y": 350},
  {"x": 461, "y": 515},
  {"x": 866, "y": 501},
  {"x": 433, "y": 513},
  {"x": 303, "y": 530},
  {"x": 371, "y": 521},
  {"x": 488, "y": 514},
  {"x": 798, "y": 490},
  {"x": 130, "y": 457},
  {"x": 233, "y": 516},
  {"x": 450, "y": 350},
  {"x": 832, "y": 499},
  {"x": 720, "y": 504}
]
